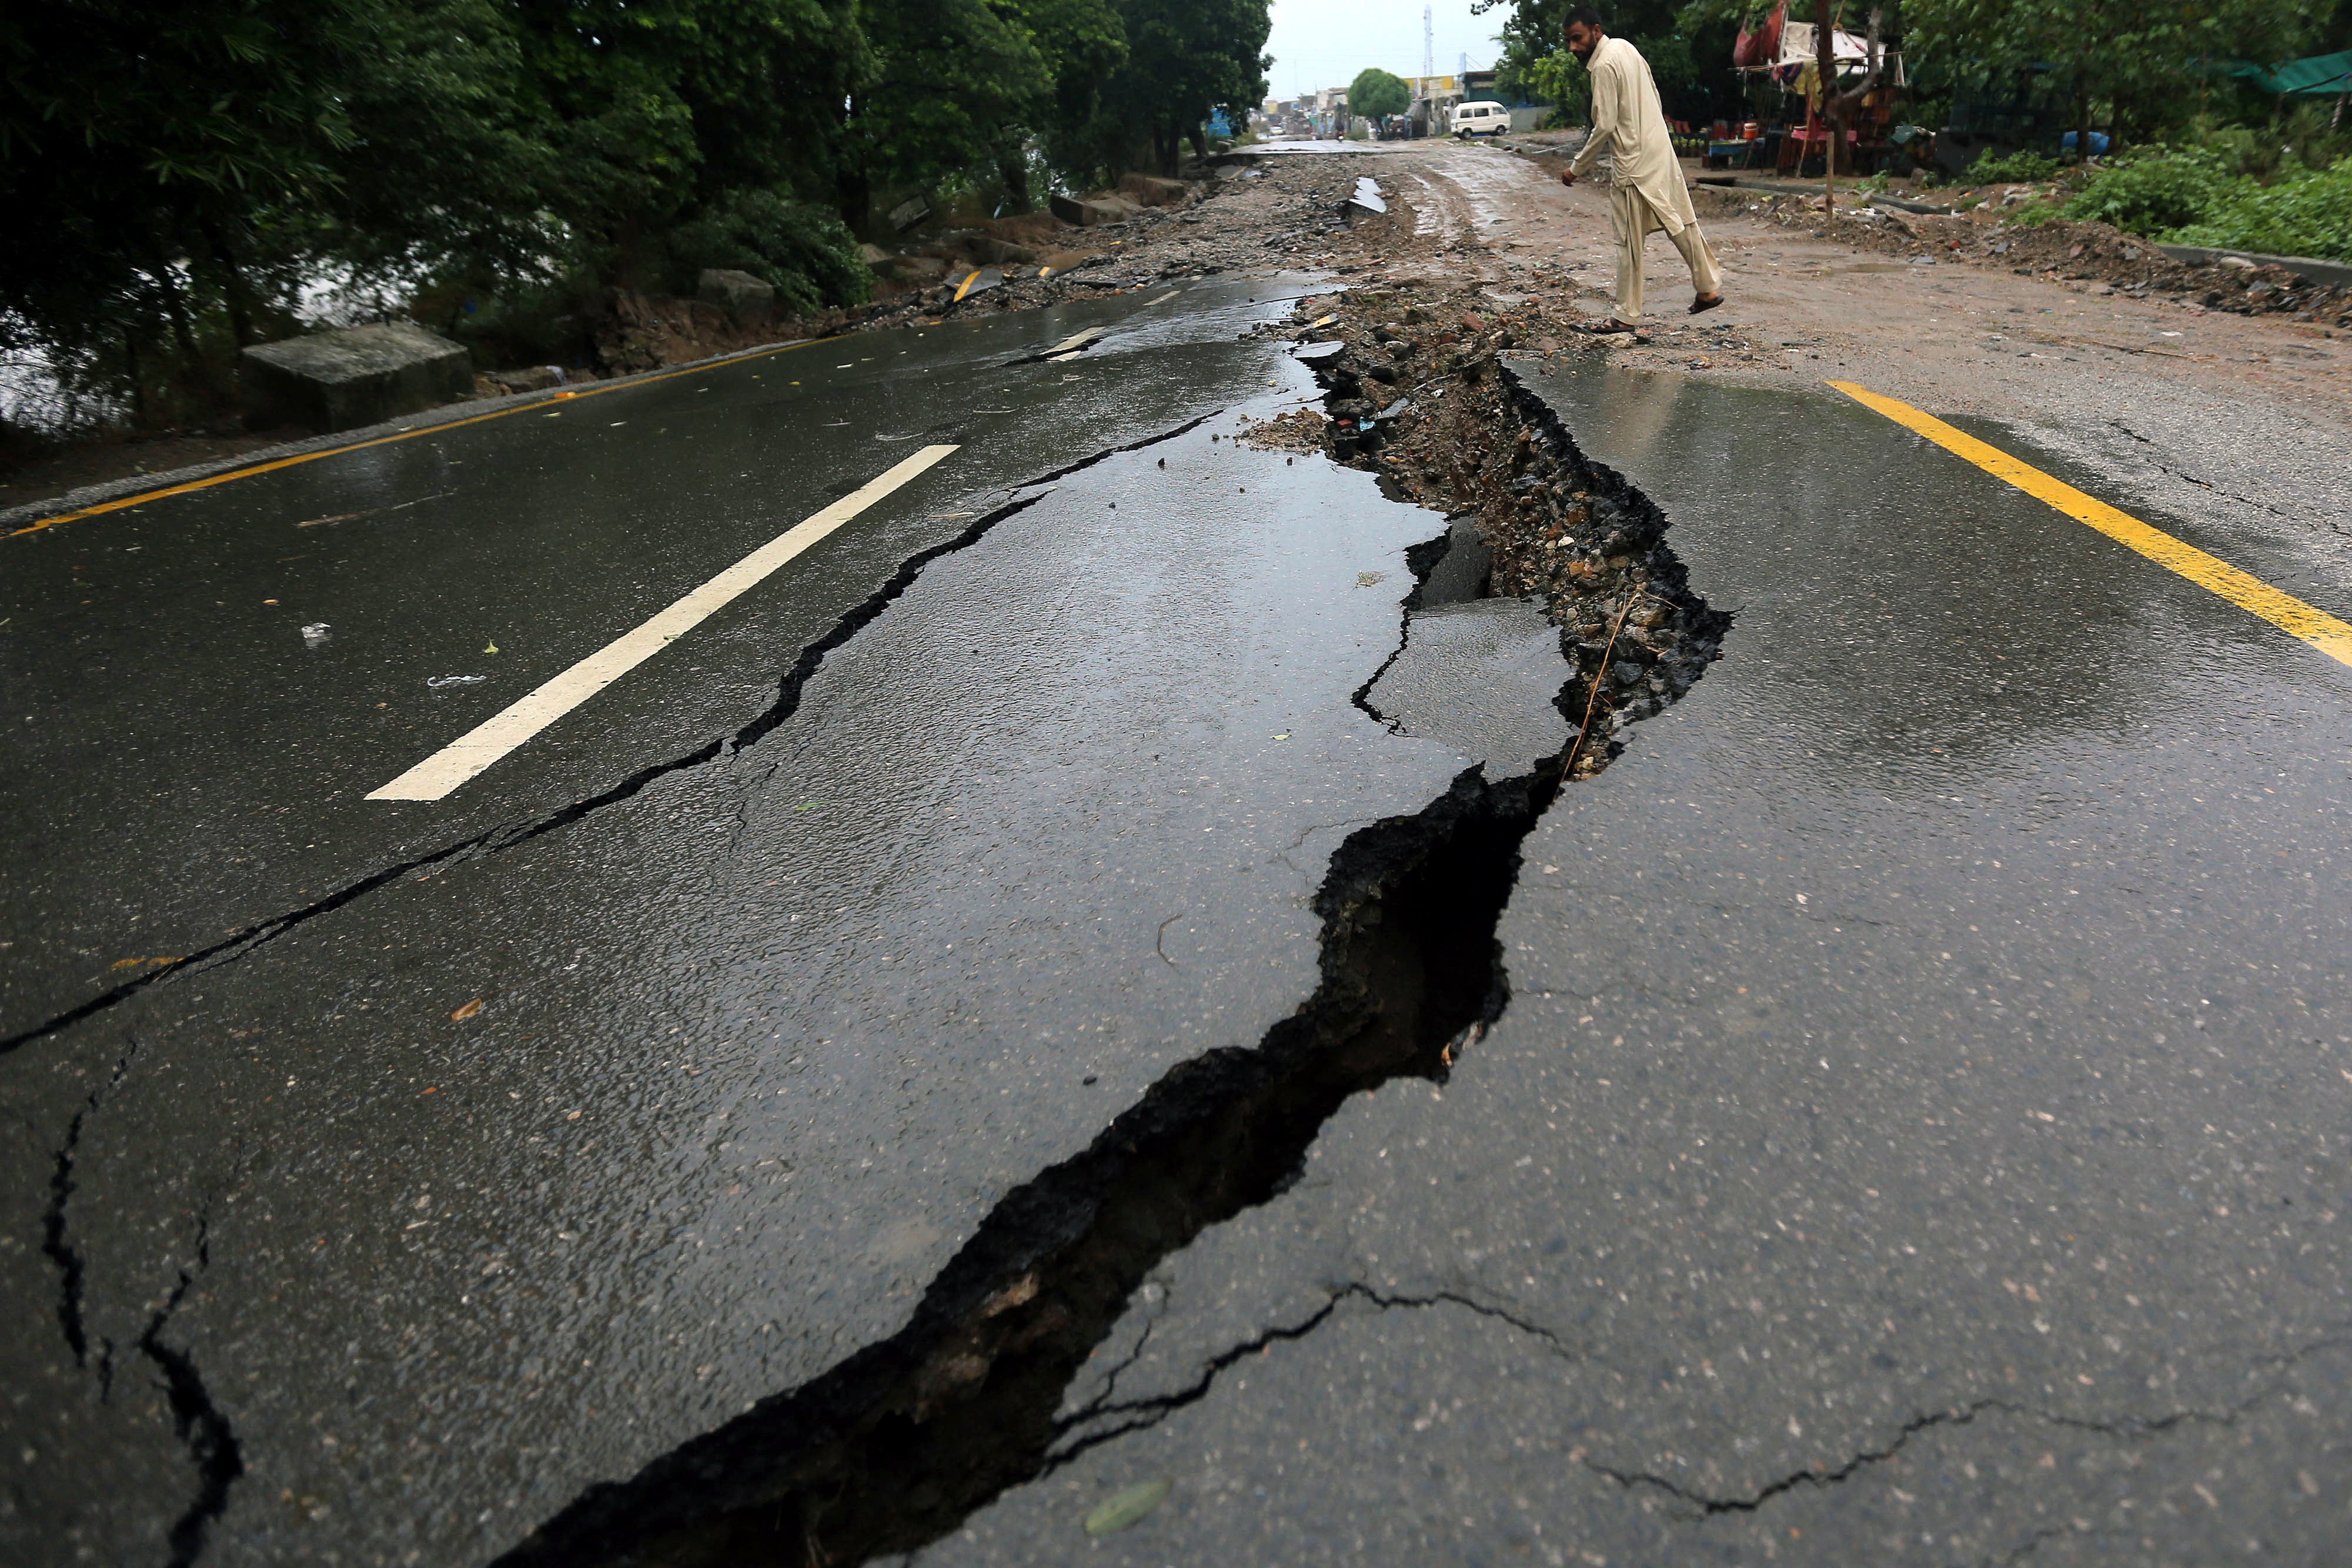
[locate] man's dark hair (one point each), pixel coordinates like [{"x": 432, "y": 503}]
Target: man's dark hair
[{"x": 1584, "y": 14}]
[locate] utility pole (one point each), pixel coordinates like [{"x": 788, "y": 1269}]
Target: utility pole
[{"x": 1826, "y": 67}]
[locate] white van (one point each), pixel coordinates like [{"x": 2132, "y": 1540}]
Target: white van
[{"x": 1483, "y": 119}]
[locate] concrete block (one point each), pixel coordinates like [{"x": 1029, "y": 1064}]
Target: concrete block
[
  {"x": 1094, "y": 211},
  {"x": 532, "y": 378},
  {"x": 2310, "y": 270},
  {"x": 740, "y": 294},
  {"x": 361, "y": 375},
  {"x": 1150, "y": 190}
]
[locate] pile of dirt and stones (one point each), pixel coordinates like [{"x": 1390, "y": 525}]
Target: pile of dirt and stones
[
  {"x": 1422, "y": 388},
  {"x": 1246, "y": 213},
  {"x": 2087, "y": 252}
]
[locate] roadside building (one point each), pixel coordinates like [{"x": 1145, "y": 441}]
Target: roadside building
[{"x": 1433, "y": 101}]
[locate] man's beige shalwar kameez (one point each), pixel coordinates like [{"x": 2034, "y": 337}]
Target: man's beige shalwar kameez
[{"x": 1629, "y": 125}]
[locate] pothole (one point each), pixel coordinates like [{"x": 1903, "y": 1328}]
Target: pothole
[{"x": 898, "y": 1444}]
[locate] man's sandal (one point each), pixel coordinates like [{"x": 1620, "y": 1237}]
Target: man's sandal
[
  {"x": 1699, "y": 305},
  {"x": 1608, "y": 329}
]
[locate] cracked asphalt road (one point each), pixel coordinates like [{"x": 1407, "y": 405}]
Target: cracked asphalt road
[
  {"x": 1916, "y": 1134},
  {"x": 310, "y": 1258},
  {"x": 185, "y": 766}
]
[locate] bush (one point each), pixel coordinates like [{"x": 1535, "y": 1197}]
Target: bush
[
  {"x": 2307, "y": 213},
  {"x": 2158, "y": 191},
  {"x": 808, "y": 254},
  {"x": 2198, "y": 195},
  {"x": 2017, "y": 169}
]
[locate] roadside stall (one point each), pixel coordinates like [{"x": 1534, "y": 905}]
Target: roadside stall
[{"x": 1783, "y": 54}]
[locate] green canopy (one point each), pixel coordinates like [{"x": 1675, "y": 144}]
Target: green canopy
[{"x": 2321, "y": 76}]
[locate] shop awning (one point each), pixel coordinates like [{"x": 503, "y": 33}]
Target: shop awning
[{"x": 2320, "y": 76}]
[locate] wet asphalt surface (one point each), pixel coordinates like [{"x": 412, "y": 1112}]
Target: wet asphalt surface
[
  {"x": 760, "y": 1038},
  {"x": 1917, "y": 1131},
  {"x": 185, "y": 764}
]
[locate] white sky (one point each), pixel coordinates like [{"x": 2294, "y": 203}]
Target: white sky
[{"x": 1324, "y": 43}]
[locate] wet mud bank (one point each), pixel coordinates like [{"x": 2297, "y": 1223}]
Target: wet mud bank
[{"x": 897, "y": 1446}]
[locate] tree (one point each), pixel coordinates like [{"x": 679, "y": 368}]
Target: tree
[
  {"x": 180, "y": 173},
  {"x": 169, "y": 164},
  {"x": 1185, "y": 58},
  {"x": 2133, "y": 59},
  {"x": 654, "y": 108},
  {"x": 951, "y": 80},
  {"x": 1687, "y": 42},
  {"x": 1083, "y": 42},
  {"x": 1375, "y": 94}
]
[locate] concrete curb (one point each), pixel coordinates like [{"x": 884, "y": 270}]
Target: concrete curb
[
  {"x": 1905, "y": 204},
  {"x": 2313, "y": 271}
]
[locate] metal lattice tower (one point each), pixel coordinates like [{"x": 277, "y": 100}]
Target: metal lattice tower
[{"x": 1428, "y": 44}]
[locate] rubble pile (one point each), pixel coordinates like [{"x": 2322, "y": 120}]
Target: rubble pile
[
  {"x": 1300, "y": 430},
  {"x": 1276, "y": 210},
  {"x": 2085, "y": 253},
  {"x": 1422, "y": 391}
]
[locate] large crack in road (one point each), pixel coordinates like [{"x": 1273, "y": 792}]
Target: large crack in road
[
  {"x": 901, "y": 1440},
  {"x": 899, "y": 1444}
]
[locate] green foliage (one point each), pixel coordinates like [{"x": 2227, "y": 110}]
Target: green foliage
[
  {"x": 1560, "y": 80},
  {"x": 2307, "y": 213},
  {"x": 181, "y": 172},
  {"x": 2017, "y": 169},
  {"x": 1185, "y": 58},
  {"x": 807, "y": 253},
  {"x": 1375, "y": 93},
  {"x": 1687, "y": 42},
  {"x": 2125, "y": 60},
  {"x": 2157, "y": 190},
  {"x": 1673, "y": 65},
  {"x": 2202, "y": 196}
]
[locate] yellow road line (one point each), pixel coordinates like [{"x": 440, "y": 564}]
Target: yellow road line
[
  {"x": 2283, "y": 611},
  {"x": 272, "y": 466}
]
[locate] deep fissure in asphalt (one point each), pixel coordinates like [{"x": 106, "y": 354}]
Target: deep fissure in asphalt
[
  {"x": 202, "y": 1428},
  {"x": 901, "y": 1442}
]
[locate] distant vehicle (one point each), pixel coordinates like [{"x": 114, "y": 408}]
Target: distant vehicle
[{"x": 1483, "y": 119}]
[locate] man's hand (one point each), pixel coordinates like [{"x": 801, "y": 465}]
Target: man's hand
[{"x": 1568, "y": 176}]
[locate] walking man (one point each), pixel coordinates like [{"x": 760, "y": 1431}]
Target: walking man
[{"x": 1647, "y": 191}]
